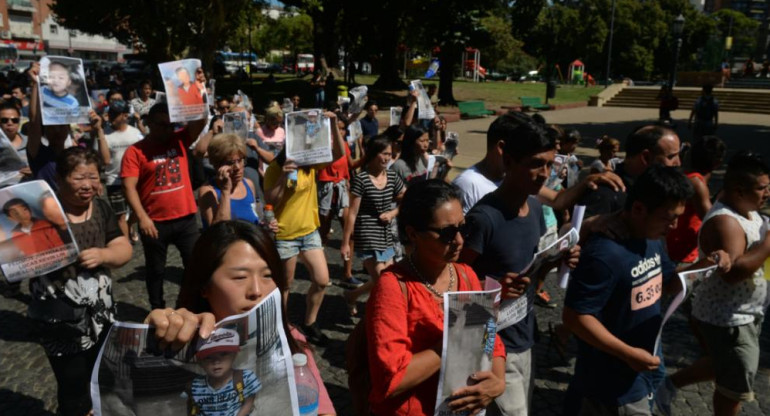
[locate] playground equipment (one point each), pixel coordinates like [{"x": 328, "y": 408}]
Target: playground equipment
[{"x": 576, "y": 72}]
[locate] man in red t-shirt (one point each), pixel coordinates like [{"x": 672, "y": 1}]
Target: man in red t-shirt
[
  {"x": 156, "y": 182},
  {"x": 31, "y": 235}
]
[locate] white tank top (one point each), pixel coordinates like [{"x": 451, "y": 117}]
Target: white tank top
[{"x": 723, "y": 304}]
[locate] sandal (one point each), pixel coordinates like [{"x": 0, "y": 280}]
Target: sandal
[{"x": 350, "y": 302}]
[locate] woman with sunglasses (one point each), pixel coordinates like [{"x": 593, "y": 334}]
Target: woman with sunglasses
[
  {"x": 10, "y": 121},
  {"x": 235, "y": 265},
  {"x": 228, "y": 195},
  {"x": 373, "y": 193},
  {"x": 405, "y": 318}
]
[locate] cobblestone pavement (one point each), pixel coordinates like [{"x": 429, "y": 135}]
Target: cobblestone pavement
[{"x": 28, "y": 387}]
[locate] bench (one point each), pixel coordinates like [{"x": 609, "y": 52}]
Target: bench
[
  {"x": 473, "y": 109},
  {"x": 533, "y": 102}
]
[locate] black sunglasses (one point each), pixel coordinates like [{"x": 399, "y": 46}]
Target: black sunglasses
[
  {"x": 14, "y": 120},
  {"x": 447, "y": 234}
]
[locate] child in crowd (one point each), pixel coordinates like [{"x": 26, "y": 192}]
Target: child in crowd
[
  {"x": 608, "y": 149},
  {"x": 223, "y": 390},
  {"x": 57, "y": 91},
  {"x": 568, "y": 146}
]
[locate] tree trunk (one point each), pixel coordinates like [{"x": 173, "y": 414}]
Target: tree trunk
[
  {"x": 389, "y": 78},
  {"x": 448, "y": 60}
]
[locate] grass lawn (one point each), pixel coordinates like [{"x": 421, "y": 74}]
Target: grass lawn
[{"x": 494, "y": 93}]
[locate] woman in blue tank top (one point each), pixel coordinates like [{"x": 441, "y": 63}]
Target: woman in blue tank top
[{"x": 228, "y": 195}]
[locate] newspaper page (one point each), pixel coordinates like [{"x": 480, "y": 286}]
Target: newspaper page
[
  {"x": 424, "y": 107},
  {"x": 469, "y": 340},
  {"x": 514, "y": 310},
  {"x": 35, "y": 237},
  {"x": 684, "y": 277},
  {"x": 578, "y": 212},
  {"x": 357, "y": 99},
  {"x": 247, "y": 355},
  {"x": 451, "y": 144},
  {"x": 11, "y": 161},
  {"x": 395, "y": 115},
  {"x": 237, "y": 123},
  {"x": 355, "y": 131},
  {"x": 63, "y": 93},
  {"x": 185, "y": 96},
  {"x": 308, "y": 137}
]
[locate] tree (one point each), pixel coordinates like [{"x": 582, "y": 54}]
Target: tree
[
  {"x": 293, "y": 33},
  {"x": 165, "y": 29},
  {"x": 742, "y": 28}
]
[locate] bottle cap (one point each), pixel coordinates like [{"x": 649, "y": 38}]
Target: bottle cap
[
  {"x": 300, "y": 360},
  {"x": 268, "y": 207}
]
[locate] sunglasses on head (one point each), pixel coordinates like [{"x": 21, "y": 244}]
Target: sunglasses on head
[{"x": 447, "y": 234}]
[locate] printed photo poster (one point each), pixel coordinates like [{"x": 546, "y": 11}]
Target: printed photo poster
[
  {"x": 185, "y": 96},
  {"x": 63, "y": 93},
  {"x": 354, "y": 131},
  {"x": 247, "y": 354},
  {"x": 98, "y": 97},
  {"x": 237, "y": 123},
  {"x": 35, "y": 237},
  {"x": 424, "y": 107},
  {"x": 395, "y": 115},
  {"x": 357, "y": 99},
  {"x": 469, "y": 338},
  {"x": 11, "y": 162},
  {"x": 451, "y": 144},
  {"x": 308, "y": 137}
]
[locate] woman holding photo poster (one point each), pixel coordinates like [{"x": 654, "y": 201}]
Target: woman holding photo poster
[
  {"x": 415, "y": 162},
  {"x": 293, "y": 191},
  {"x": 74, "y": 306},
  {"x": 235, "y": 265},
  {"x": 405, "y": 316}
]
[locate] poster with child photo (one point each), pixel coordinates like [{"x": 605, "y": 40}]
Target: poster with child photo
[
  {"x": 63, "y": 93},
  {"x": 243, "y": 368},
  {"x": 308, "y": 137},
  {"x": 185, "y": 85},
  {"x": 35, "y": 237}
]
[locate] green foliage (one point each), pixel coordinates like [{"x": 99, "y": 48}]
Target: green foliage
[
  {"x": 744, "y": 31},
  {"x": 292, "y": 33}
]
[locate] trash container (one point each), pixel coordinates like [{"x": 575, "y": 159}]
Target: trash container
[{"x": 550, "y": 89}]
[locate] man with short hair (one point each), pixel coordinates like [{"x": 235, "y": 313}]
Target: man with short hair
[
  {"x": 156, "y": 183},
  {"x": 506, "y": 226},
  {"x": 18, "y": 92},
  {"x": 729, "y": 306},
  {"x": 704, "y": 117},
  {"x": 369, "y": 124},
  {"x": 613, "y": 301},
  {"x": 122, "y": 136},
  {"x": 30, "y": 235},
  {"x": 223, "y": 105}
]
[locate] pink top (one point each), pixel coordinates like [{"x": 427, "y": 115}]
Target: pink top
[
  {"x": 325, "y": 406},
  {"x": 274, "y": 139}
]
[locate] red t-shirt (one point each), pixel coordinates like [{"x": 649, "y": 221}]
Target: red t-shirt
[
  {"x": 190, "y": 97},
  {"x": 337, "y": 171},
  {"x": 164, "y": 179},
  {"x": 682, "y": 241},
  {"x": 43, "y": 236},
  {"x": 395, "y": 332}
]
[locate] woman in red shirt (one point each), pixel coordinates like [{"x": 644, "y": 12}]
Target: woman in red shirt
[{"x": 405, "y": 332}]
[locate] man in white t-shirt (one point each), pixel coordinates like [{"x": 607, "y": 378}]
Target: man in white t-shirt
[{"x": 119, "y": 140}]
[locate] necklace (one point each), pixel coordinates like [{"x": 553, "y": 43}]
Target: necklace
[{"x": 429, "y": 286}]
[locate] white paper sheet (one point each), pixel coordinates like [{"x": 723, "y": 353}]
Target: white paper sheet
[
  {"x": 681, "y": 296},
  {"x": 578, "y": 212},
  {"x": 308, "y": 137}
]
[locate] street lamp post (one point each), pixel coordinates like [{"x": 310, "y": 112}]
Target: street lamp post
[
  {"x": 609, "y": 46},
  {"x": 677, "y": 31}
]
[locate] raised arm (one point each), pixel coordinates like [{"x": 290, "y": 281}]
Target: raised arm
[
  {"x": 104, "y": 147},
  {"x": 35, "y": 132}
]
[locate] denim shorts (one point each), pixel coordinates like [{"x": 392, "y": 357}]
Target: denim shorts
[
  {"x": 381, "y": 256},
  {"x": 291, "y": 248}
]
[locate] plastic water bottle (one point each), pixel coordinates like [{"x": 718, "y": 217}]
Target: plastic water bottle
[
  {"x": 268, "y": 215},
  {"x": 307, "y": 388}
]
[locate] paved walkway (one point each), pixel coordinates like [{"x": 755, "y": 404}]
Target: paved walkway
[{"x": 27, "y": 385}]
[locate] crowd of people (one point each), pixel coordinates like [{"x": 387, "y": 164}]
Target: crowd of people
[{"x": 242, "y": 215}]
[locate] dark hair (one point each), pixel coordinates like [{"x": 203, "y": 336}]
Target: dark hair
[
  {"x": 145, "y": 82},
  {"x": 409, "y": 145},
  {"x": 528, "y": 139},
  {"x": 207, "y": 256},
  {"x": 157, "y": 108},
  {"x": 706, "y": 153},
  {"x": 12, "y": 203},
  {"x": 117, "y": 108},
  {"x": 744, "y": 169},
  {"x": 659, "y": 185},
  {"x": 421, "y": 200},
  {"x": 393, "y": 132},
  {"x": 572, "y": 136},
  {"x": 539, "y": 119},
  {"x": 71, "y": 157},
  {"x": 374, "y": 147},
  {"x": 369, "y": 104},
  {"x": 646, "y": 138},
  {"x": 112, "y": 92},
  {"x": 708, "y": 89},
  {"x": 9, "y": 105},
  {"x": 504, "y": 126}
]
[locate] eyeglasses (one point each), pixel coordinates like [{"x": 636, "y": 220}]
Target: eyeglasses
[
  {"x": 447, "y": 234},
  {"x": 14, "y": 120},
  {"x": 233, "y": 162}
]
